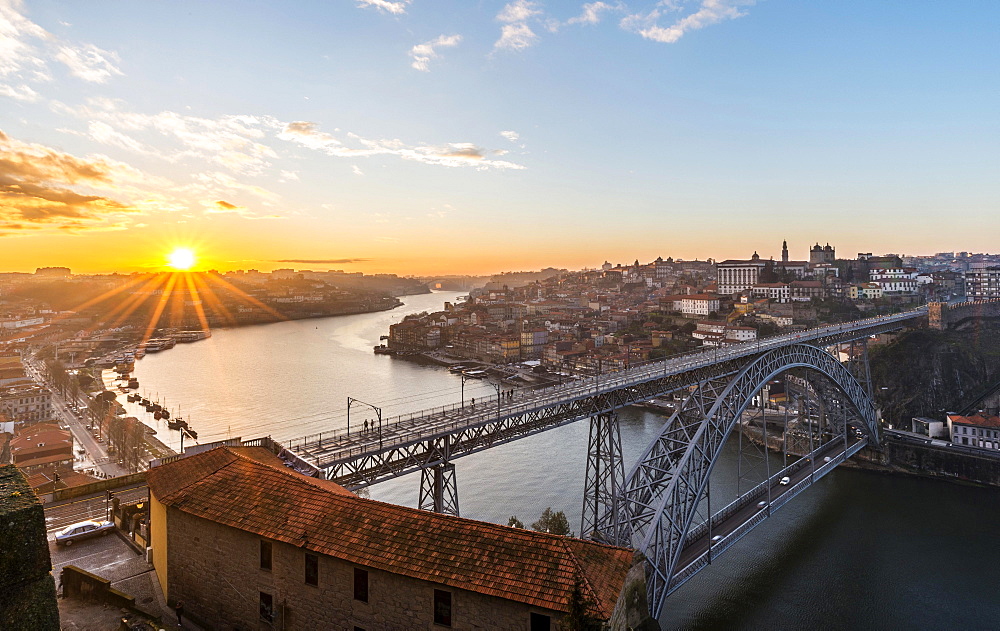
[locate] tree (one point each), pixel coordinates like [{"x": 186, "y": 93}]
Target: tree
[
  {"x": 554, "y": 523},
  {"x": 578, "y": 617},
  {"x": 514, "y": 522}
]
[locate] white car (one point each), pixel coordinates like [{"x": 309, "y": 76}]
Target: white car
[
  {"x": 761, "y": 504},
  {"x": 83, "y": 530},
  {"x": 784, "y": 481}
]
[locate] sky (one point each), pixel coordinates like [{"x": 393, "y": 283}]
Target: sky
[{"x": 419, "y": 137}]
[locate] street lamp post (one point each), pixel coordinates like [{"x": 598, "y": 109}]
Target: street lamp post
[
  {"x": 496, "y": 386},
  {"x": 378, "y": 412},
  {"x": 464, "y": 377}
]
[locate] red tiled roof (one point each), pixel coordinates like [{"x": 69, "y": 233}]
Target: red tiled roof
[
  {"x": 235, "y": 488},
  {"x": 978, "y": 420}
]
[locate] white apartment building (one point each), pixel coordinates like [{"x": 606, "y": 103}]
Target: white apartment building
[
  {"x": 978, "y": 431},
  {"x": 897, "y": 286},
  {"x": 699, "y": 304}
]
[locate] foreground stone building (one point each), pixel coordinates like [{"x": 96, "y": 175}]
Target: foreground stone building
[{"x": 246, "y": 543}]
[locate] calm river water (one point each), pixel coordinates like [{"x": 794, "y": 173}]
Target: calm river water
[{"x": 856, "y": 551}]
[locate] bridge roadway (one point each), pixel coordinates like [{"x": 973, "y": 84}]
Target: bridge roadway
[
  {"x": 410, "y": 442},
  {"x": 738, "y": 518}
]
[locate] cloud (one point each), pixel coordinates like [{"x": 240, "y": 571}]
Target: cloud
[
  {"x": 289, "y": 176},
  {"x": 37, "y": 190},
  {"x": 709, "y": 12},
  {"x": 453, "y": 154},
  {"x": 222, "y": 207},
  {"x": 515, "y": 34},
  {"x": 356, "y": 170},
  {"x": 90, "y": 63},
  {"x": 105, "y": 134},
  {"x": 19, "y": 93},
  {"x": 211, "y": 182},
  {"x": 423, "y": 53},
  {"x": 512, "y": 136},
  {"x": 592, "y": 12},
  {"x": 26, "y": 49},
  {"x": 515, "y": 37},
  {"x": 17, "y": 55},
  {"x": 518, "y": 11},
  {"x": 321, "y": 261},
  {"x": 385, "y": 6},
  {"x": 232, "y": 141}
]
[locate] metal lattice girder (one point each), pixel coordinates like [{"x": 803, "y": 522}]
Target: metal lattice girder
[
  {"x": 439, "y": 489},
  {"x": 605, "y": 477},
  {"x": 664, "y": 488}
]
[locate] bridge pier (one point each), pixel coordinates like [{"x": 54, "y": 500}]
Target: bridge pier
[
  {"x": 439, "y": 489},
  {"x": 604, "y": 480}
]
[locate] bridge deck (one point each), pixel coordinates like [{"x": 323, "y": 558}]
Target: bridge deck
[
  {"x": 734, "y": 521},
  {"x": 327, "y": 449}
]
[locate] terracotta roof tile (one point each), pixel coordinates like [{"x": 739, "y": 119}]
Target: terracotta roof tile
[{"x": 240, "y": 488}]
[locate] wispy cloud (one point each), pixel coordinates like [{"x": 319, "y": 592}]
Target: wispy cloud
[
  {"x": 19, "y": 93},
  {"x": 592, "y": 12},
  {"x": 709, "y": 12},
  {"x": 321, "y": 261},
  {"x": 233, "y": 142},
  {"x": 423, "y": 53},
  {"x": 519, "y": 11},
  {"x": 515, "y": 34},
  {"x": 385, "y": 6},
  {"x": 26, "y": 50},
  {"x": 455, "y": 154},
  {"x": 515, "y": 37},
  {"x": 90, "y": 63},
  {"x": 356, "y": 170},
  {"x": 512, "y": 136}
]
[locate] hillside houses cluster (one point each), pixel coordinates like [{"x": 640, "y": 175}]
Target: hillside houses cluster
[{"x": 609, "y": 318}]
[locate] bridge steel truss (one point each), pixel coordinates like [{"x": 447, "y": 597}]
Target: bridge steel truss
[{"x": 665, "y": 487}]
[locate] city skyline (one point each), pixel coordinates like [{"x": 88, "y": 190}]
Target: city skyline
[{"x": 381, "y": 136}]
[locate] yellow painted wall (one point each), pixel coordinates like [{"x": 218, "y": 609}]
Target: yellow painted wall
[{"x": 158, "y": 539}]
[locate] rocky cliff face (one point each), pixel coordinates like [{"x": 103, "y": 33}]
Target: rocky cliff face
[{"x": 928, "y": 373}]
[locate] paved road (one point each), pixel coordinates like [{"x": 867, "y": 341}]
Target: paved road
[
  {"x": 58, "y": 515},
  {"x": 796, "y": 472},
  {"x": 95, "y": 449},
  {"x": 339, "y": 446}
]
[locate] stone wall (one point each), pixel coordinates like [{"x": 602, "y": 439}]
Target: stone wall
[
  {"x": 932, "y": 461},
  {"x": 943, "y": 316},
  {"x": 215, "y": 571},
  {"x": 27, "y": 590}
]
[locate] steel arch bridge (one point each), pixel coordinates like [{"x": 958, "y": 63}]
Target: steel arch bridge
[
  {"x": 657, "y": 508},
  {"x": 662, "y": 493}
]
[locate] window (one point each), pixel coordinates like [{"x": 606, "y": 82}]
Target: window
[
  {"x": 266, "y": 607},
  {"x": 540, "y": 622},
  {"x": 312, "y": 569},
  {"x": 361, "y": 585},
  {"x": 442, "y": 607},
  {"x": 265, "y": 555}
]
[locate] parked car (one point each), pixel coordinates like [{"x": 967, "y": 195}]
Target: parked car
[{"x": 82, "y": 530}]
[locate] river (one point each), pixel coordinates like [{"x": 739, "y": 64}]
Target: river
[{"x": 856, "y": 551}]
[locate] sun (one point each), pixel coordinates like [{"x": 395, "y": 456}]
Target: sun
[{"x": 181, "y": 259}]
